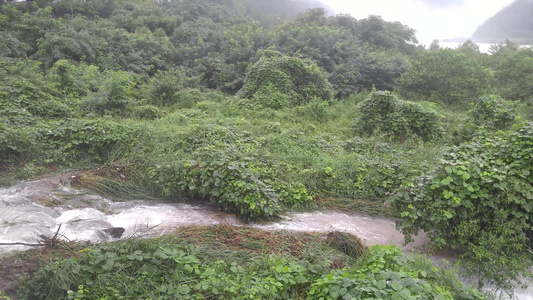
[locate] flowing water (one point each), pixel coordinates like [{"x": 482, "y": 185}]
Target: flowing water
[{"x": 31, "y": 209}]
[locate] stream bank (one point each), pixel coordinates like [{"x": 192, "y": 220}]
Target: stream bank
[{"x": 32, "y": 209}]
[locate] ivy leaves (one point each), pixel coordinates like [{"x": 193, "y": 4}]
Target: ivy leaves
[
  {"x": 300, "y": 79},
  {"x": 472, "y": 197},
  {"x": 383, "y": 112}
]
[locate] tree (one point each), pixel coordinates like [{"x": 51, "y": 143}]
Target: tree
[
  {"x": 353, "y": 54},
  {"x": 434, "y": 46},
  {"x": 114, "y": 94},
  {"x": 24, "y": 90},
  {"x": 226, "y": 70},
  {"x": 386, "y": 35},
  {"x": 446, "y": 76},
  {"x": 101, "y": 44},
  {"x": 145, "y": 15},
  {"x": 470, "y": 49},
  {"x": 513, "y": 76}
]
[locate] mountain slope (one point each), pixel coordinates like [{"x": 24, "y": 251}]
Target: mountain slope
[{"x": 513, "y": 22}]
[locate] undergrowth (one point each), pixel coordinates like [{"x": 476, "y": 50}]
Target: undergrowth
[{"x": 224, "y": 262}]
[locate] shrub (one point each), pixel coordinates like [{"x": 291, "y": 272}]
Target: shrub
[
  {"x": 114, "y": 95},
  {"x": 387, "y": 273},
  {"x": 23, "y": 88},
  {"x": 270, "y": 96},
  {"x": 63, "y": 141},
  {"x": 74, "y": 140},
  {"x": 445, "y": 76},
  {"x": 301, "y": 79},
  {"x": 188, "y": 97},
  {"x": 227, "y": 265},
  {"x": 513, "y": 76},
  {"x": 146, "y": 112},
  {"x": 493, "y": 112},
  {"x": 164, "y": 87},
  {"x": 384, "y": 113},
  {"x": 479, "y": 199},
  {"x": 237, "y": 182},
  {"x": 14, "y": 143}
]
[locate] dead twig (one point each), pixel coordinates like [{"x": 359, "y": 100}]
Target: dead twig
[
  {"x": 23, "y": 244},
  {"x": 50, "y": 243}
]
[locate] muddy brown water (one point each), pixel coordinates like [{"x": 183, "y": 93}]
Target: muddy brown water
[{"x": 30, "y": 209}]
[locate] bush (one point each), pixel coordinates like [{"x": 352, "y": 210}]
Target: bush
[
  {"x": 64, "y": 141},
  {"x": 479, "y": 199},
  {"x": 164, "y": 87},
  {"x": 114, "y": 95},
  {"x": 227, "y": 265},
  {"x": 237, "y": 182},
  {"x": 387, "y": 273},
  {"x": 493, "y": 112},
  {"x": 270, "y": 96},
  {"x": 384, "y": 113},
  {"x": 188, "y": 97},
  {"x": 146, "y": 112},
  {"x": 444, "y": 76},
  {"x": 23, "y": 88},
  {"x": 14, "y": 143},
  {"x": 513, "y": 76},
  {"x": 299, "y": 79}
]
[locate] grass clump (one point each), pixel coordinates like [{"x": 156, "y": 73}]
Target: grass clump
[{"x": 225, "y": 262}]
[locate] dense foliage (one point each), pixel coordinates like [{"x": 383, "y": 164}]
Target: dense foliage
[
  {"x": 384, "y": 113},
  {"x": 213, "y": 100},
  {"x": 493, "y": 112},
  {"x": 291, "y": 78},
  {"x": 446, "y": 76},
  {"x": 514, "y": 75},
  {"x": 479, "y": 199},
  {"x": 178, "y": 270}
]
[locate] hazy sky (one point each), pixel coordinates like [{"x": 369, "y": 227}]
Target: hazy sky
[{"x": 432, "y": 19}]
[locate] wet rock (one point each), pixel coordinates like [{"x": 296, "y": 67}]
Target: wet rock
[{"x": 115, "y": 232}]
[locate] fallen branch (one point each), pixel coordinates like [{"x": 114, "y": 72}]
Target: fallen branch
[
  {"x": 44, "y": 242},
  {"x": 23, "y": 244}
]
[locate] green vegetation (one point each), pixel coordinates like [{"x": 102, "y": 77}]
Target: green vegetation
[
  {"x": 384, "y": 113},
  {"x": 212, "y": 100},
  {"x": 479, "y": 198},
  {"x": 275, "y": 81},
  {"x": 513, "y": 75},
  {"x": 223, "y": 262},
  {"x": 446, "y": 76}
]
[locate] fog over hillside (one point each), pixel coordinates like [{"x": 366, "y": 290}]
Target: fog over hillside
[
  {"x": 513, "y": 22},
  {"x": 432, "y": 19}
]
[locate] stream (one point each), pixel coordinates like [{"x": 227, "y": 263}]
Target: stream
[{"x": 34, "y": 208}]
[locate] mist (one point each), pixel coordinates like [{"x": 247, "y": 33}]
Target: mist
[
  {"x": 442, "y": 3},
  {"x": 432, "y": 19}
]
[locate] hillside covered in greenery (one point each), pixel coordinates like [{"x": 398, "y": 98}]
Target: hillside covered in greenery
[
  {"x": 512, "y": 22},
  {"x": 265, "y": 111}
]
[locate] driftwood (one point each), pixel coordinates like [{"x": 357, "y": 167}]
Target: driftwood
[{"x": 50, "y": 243}]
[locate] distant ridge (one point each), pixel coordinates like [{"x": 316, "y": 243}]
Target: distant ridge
[{"x": 514, "y": 22}]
